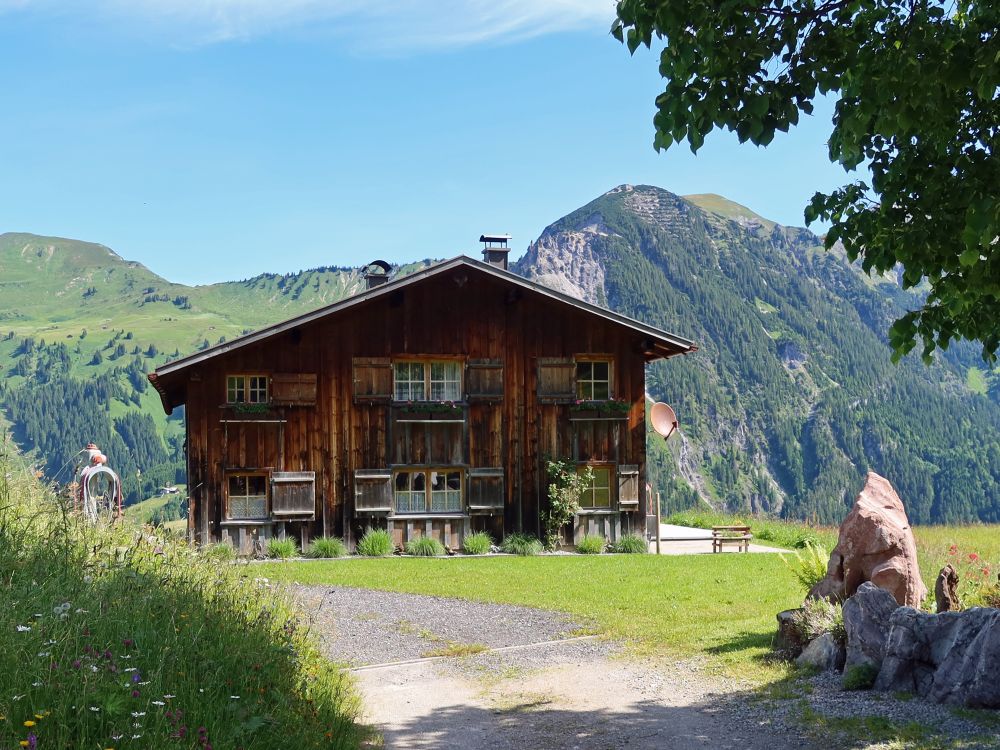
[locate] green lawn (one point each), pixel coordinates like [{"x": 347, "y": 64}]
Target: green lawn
[{"x": 719, "y": 606}]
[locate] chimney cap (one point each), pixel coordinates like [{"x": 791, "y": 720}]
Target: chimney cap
[
  {"x": 378, "y": 267},
  {"x": 495, "y": 238}
]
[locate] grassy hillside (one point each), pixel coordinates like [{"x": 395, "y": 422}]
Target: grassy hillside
[
  {"x": 80, "y": 328},
  {"x": 153, "y": 509},
  {"x": 54, "y": 288},
  {"x": 727, "y": 209}
]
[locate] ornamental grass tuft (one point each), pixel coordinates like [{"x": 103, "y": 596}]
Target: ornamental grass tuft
[
  {"x": 631, "y": 544},
  {"x": 376, "y": 543},
  {"x": 425, "y": 546},
  {"x": 521, "y": 544},
  {"x": 591, "y": 544},
  {"x": 327, "y": 546},
  {"x": 221, "y": 552},
  {"x": 808, "y": 566},
  {"x": 282, "y": 549},
  {"x": 478, "y": 543},
  {"x": 112, "y": 636}
]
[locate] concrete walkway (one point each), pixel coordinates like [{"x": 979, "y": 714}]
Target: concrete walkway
[{"x": 685, "y": 540}]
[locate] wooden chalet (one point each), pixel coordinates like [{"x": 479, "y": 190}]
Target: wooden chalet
[{"x": 427, "y": 405}]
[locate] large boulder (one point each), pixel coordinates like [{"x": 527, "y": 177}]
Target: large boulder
[
  {"x": 875, "y": 544},
  {"x": 951, "y": 657},
  {"x": 823, "y": 653},
  {"x": 866, "y": 621}
]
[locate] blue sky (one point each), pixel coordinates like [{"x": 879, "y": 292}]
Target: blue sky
[{"x": 217, "y": 139}]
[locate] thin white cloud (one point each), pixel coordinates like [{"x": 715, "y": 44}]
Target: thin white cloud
[{"x": 386, "y": 26}]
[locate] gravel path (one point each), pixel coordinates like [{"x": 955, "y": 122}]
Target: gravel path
[
  {"x": 362, "y": 627},
  {"x": 514, "y": 677}
]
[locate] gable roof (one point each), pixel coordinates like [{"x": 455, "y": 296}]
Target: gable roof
[{"x": 662, "y": 344}]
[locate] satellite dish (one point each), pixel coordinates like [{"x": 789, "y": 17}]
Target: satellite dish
[{"x": 663, "y": 418}]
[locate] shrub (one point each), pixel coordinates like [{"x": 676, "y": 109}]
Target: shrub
[
  {"x": 521, "y": 544},
  {"x": 860, "y": 677},
  {"x": 566, "y": 485},
  {"x": 376, "y": 543},
  {"x": 478, "y": 543},
  {"x": 281, "y": 548},
  {"x": 818, "y": 616},
  {"x": 327, "y": 546},
  {"x": 809, "y": 567},
  {"x": 221, "y": 552},
  {"x": 631, "y": 544},
  {"x": 591, "y": 545},
  {"x": 425, "y": 546}
]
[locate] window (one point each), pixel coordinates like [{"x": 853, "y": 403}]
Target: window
[
  {"x": 247, "y": 497},
  {"x": 246, "y": 389},
  {"x": 427, "y": 491},
  {"x": 427, "y": 381},
  {"x": 409, "y": 381},
  {"x": 598, "y": 493},
  {"x": 446, "y": 381},
  {"x": 593, "y": 380}
]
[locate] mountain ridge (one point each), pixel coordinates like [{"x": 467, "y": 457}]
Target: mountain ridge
[
  {"x": 793, "y": 345},
  {"x": 791, "y": 398}
]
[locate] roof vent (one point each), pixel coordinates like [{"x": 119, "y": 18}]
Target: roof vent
[
  {"x": 376, "y": 274},
  {"x": 495, "y": 249}
]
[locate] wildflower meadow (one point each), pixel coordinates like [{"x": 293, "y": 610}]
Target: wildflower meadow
[{"x": 112, "y": 637}]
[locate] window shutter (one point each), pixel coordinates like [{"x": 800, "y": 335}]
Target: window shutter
[
  {"x": 293, "y": 494},
  {"x": 373, "y": 490},
  {"x": 486, "y": 490},
  {"x": 372, "y": 379},
  {"x": 293, "y": 389},
  {"x": 628, "y": 486},
  {"x": 484, "y": 380},
  {"x": 556, "y": 380}
]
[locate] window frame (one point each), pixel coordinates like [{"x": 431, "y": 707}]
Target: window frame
[
  {"x": 428, "y": 380},
  {"x": 578, "y": 382},
  {"x": 247, "y": 473},
  {"x": 248, "y": 386},
  {"x": 428, "y": 490},
  {"x": 611, "y": 486}
]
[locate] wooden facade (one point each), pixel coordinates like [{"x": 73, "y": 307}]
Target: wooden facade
[{"x": 308, "y": 427}]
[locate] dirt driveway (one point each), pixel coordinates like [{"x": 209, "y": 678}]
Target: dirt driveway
[{"x": 447, "y": 673}]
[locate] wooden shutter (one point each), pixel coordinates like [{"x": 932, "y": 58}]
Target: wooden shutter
[
  {"x": 373, "y": 490},
  {"x": 372, "y": 379},
  {"x": 486, "y": 489},
  {"x": 293, "y": 389},
  {"x": 556, "y": 380},
  {"x": 293, "y": 494},
  {"x": 484, "y": 380},
  {"x": 628, "y": 486}
]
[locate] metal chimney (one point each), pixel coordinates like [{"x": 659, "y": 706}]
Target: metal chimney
[
  {"x": 495, "y": 249},
  {"x": 377, "y": 274}
]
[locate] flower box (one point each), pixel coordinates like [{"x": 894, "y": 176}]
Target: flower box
[{"x": 603, "y": 409}]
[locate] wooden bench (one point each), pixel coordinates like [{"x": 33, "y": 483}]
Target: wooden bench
[{"x": 738, "y": 535}]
